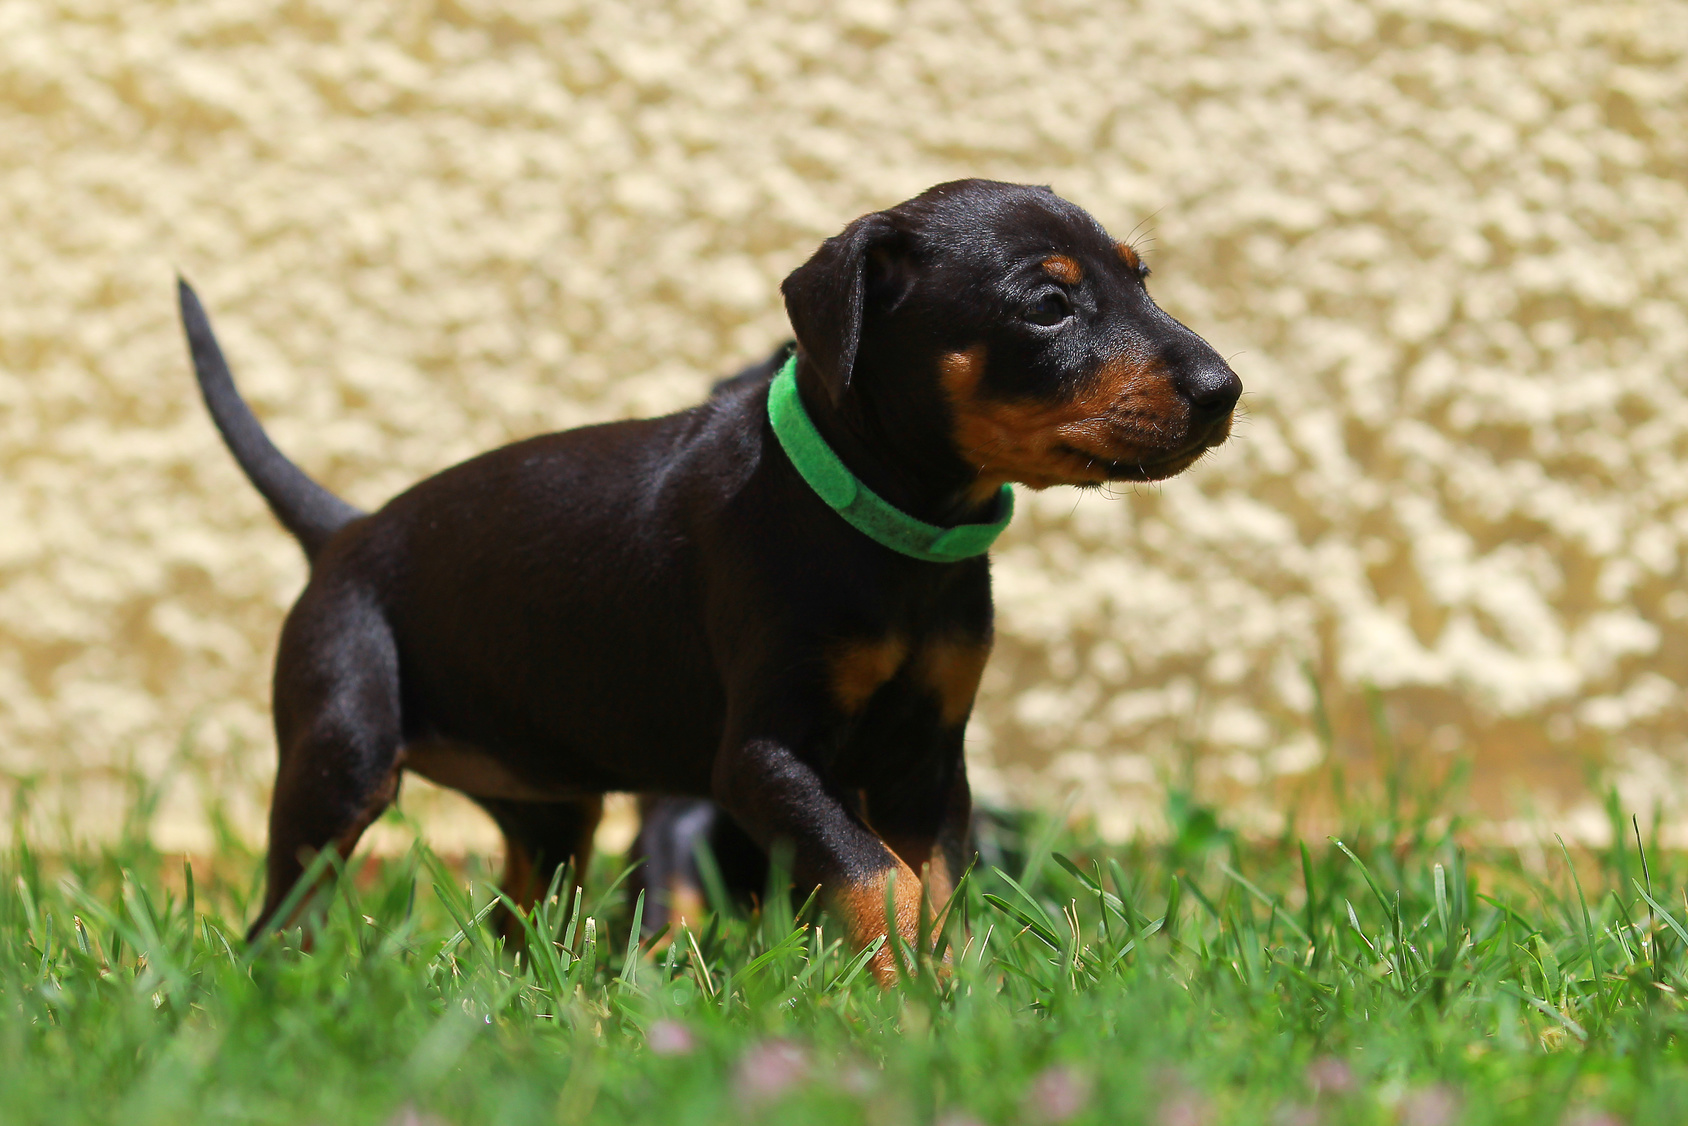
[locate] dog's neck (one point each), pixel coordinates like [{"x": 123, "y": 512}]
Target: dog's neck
[{"x": 894, "y": 449}]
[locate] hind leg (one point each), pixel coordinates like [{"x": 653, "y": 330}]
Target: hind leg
[
  {"x": 670, "y": 831},
  {"x": 338, "y": 730},
  {"x": 539, "y": 838}
]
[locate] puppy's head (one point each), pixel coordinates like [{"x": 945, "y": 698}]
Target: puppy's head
[{"x": 1011, "y": 317}]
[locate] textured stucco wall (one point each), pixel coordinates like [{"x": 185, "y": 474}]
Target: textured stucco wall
[{"x": 1442, "y": 240}]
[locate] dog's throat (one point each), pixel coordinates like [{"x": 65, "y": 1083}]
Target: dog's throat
[{"x": 864, "y": 509}]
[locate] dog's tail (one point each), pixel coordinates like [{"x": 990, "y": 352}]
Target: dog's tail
[{"x": 305, "y": 508}]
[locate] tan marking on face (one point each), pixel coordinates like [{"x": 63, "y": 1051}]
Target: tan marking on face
[
  {"x": 859, "y": 668},
  {"x": 861, "y": 906},
  {"x": 1125, "y": 413},
  {"x": 1128, "y": 255},
  {"x": 951, "y": 668},
  {"x": 1063, "y": 269}
]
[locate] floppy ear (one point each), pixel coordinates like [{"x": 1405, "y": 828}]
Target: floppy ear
[{"x": 824, "y": 297}]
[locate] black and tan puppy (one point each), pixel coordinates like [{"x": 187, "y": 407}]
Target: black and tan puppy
[{"x": 674, "y": 606}]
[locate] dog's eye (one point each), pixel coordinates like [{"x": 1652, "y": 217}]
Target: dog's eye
[{"x": 1050, "y": 309}]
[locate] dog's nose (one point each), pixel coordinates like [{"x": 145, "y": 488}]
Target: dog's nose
[{"x": 1210, "y": 385}]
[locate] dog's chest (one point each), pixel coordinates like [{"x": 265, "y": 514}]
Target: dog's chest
[{"x": 938, "y": 674}]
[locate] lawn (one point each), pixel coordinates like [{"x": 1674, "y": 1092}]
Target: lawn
[{"x": 1386, "y": 975}]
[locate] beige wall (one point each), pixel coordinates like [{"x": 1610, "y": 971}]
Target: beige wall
[{"x": 1443, "y": 242}]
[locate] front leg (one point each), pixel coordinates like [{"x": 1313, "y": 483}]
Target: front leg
[
  {"x": 916, "y": 795},
  {"x": 924, "y": 820},
  {"x": 776, "y": 794}
]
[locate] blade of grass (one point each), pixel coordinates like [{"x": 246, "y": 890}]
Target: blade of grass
[
  {"x": 858, "y": 964},
  {"x": 1169, "y": 918},
  {"x": 1662, "y": 913},
  {"x": 630, "y": 964},
  {"x": 709, "y": 871},
  {"x": 1546, "y": 1009},
  {"x": 1594, "y": 959},
  {"x": 1270, "y": 903},
  {"x": 700, "y": 965},
  {"x": 1311, "y": 907},
  {"x": 1383, "y": 900}
]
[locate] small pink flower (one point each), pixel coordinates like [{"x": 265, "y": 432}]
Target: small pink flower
[
  {"x": 1328, "y": 1075},
  {"x": 1296, "y": 1114},
  {"x": 1185, "y": 1109},
  {"x": 770, "y": 1069},
  {"x": 1056, "y": 1094},
  {"x": 1588, "y": 1116},
  {"x": 1429, "y": 1106},
  {"x": 408, "y": 1115},
  {"x": 857, "y": 1079},
  {"x": 670, "y": 1038}
]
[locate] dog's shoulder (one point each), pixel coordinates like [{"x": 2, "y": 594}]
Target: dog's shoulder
[{"x": 752, "y": 378}]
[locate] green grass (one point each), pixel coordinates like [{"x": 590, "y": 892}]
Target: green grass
[{"x": 1391, "y": 977}]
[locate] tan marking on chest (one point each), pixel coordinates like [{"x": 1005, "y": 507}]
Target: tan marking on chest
[
  {"x": 950, "y": 668},
  {"x": 859, "y": 668},
  {"x": 1063, "y": 269},
  {"x": 1124, "y": 413}
]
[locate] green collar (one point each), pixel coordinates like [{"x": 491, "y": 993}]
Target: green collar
[{"x": 866, "y": 510}]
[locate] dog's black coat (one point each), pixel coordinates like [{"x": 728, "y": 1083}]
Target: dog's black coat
[{"x": 664, "y": 606}]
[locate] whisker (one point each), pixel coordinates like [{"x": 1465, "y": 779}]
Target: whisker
[{"x": 1149, "y": 235}]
